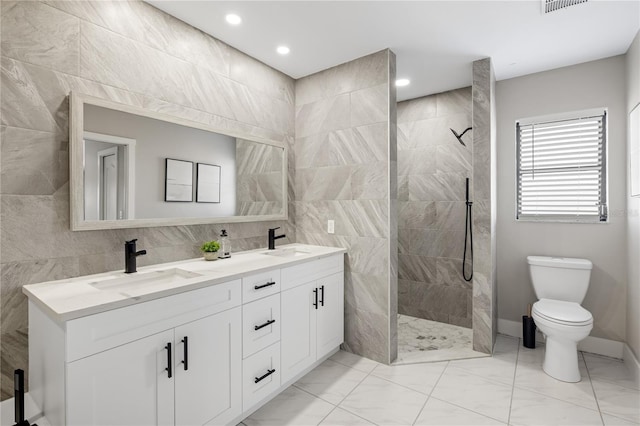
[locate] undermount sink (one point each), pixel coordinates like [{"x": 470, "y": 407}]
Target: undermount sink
[
  {"x": 141, "y": 281},
  {"x": 288, "y": 252}
]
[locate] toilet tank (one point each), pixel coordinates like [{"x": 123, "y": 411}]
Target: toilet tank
[{"x": 560, "y": 278}]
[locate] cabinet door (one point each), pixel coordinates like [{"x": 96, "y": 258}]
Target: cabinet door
[
  {"x": 126, "y": 385},
  {"x": 297, "y": 330},
  {"x": 330, "y": 326},
  {"x": 208, "y": 387}
]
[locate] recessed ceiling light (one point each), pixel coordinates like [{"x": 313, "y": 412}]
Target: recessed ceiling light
[
  {"x": 401, "y": 82},
  {"x": 283, "y": 50},
  {"x": 233, "y": 19}
]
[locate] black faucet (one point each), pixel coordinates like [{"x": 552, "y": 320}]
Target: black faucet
[
  {"x": 130, "y": 255},
  {"x": 273, "y": 238}
]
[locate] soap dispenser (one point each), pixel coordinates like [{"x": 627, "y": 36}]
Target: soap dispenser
[{"x": 225, "y": 246}]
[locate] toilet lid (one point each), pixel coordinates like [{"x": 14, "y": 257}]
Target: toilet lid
[{"x": 562, "y": 312}]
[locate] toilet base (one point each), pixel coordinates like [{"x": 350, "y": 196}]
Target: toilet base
[{"x": 561, "y": 360}]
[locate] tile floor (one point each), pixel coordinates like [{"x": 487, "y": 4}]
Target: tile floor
[
  {"x": 508, "y": 388},
  {"x": 421, "y": 340}
]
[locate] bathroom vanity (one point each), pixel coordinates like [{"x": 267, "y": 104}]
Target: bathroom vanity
[{"x": 183, "y": 343}]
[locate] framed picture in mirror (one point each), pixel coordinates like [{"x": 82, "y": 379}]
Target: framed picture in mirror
[
  {"x": 208, "y": 183},
  {"x": 178, "y": 180}
]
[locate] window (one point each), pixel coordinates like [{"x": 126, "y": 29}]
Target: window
[{"x": 561, "y": 168}]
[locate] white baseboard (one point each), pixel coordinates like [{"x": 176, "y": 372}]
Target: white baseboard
[
  {"x": 594, "y": 345},
  {"x": 632, "y": 363}
]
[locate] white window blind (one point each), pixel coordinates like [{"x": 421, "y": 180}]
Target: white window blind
[{"x": 562, "y": 169}]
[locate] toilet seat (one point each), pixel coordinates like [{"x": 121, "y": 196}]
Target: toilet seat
[{"x": 562, "y": 313}]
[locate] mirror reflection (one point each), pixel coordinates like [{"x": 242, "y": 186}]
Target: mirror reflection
[{"x": 137, "y": 167}]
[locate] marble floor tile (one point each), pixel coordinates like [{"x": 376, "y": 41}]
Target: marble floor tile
[
  {"x": 497, "y": 369},
  {"x": 610, "y": 370},
  {"x": 440, "y": 413},
  {"x": 419, "y": 377},
  {"x": 475, "y": 393},
  {"x": 354, "y": 361},
  {"x": 331, "y": 381},
  {"x": 617, "y": 400},
  {"x": 533, "y": 378},
  {"x": 530, "y": 408},
  {"x": 384, "y": 403},
  {"x": 292, "y": 407},
  {"x": 506, "y": 345},
  {"x": 340, "y": 417},
  {"x": 617, "y": 421}
]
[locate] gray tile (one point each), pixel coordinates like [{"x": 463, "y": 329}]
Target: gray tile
[{"x": 39, "y": 34}]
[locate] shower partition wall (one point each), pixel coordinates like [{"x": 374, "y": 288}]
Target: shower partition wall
[{"x": 432, "y": 169}]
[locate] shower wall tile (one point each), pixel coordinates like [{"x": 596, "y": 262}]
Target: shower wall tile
[
  {"x": 344, "y": 173},
  {"x": 416, "y": 214},
  {"x": 369, "y": 105},
  {"x": 484, "y": 288},
  {"x": 432, "y": 167},
  {"x": 135, "y": 54},
  {"x": 366, "y": 72}
]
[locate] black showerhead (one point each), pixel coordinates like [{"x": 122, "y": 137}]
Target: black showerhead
[{"x": 459, "y": 137}]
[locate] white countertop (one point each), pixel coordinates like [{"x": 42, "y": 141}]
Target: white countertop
[{"x": 67, "y": 299}]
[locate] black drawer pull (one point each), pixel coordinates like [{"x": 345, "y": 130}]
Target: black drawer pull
[
  {"x": 315, "y": 292},
  {"x": 258, "y": 327},
  {"x": 269, "y": 284},
  {"x": 169, "y": 368},
  {"x": 185, "y": 361},
  {"x": 264, "y": 376},
  {"x": 322, "y": 295}
]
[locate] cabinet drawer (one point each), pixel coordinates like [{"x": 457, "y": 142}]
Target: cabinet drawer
[
  {"x": 260, "y": 285},
  {"x": 260, "y": 375},
  {"x": 303, "y": 273},
  {"x": 99, "y": 332},
  {"x": 260, "y": 324}
]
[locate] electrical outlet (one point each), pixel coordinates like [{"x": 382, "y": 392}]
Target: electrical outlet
[{"x": 330, "y": 227}]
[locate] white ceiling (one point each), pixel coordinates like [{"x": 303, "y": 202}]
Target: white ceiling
[{"x": 435, "y": 41}]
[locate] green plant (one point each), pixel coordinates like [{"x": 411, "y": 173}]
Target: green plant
[{"x": 210, "y": 247}]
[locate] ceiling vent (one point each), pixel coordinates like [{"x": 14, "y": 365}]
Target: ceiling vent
[{"x": 553, "y": 5}]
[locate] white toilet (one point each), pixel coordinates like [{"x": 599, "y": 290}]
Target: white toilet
[{"x": 560, "y": 285}]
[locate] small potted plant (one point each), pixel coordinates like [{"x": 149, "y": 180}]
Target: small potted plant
[{"x": 210, "y": 250}]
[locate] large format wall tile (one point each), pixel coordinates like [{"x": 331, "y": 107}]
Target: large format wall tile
[
  {"x": 32, "y": 162},
  {"x": 39, "y": 34},
  {"x": 365, "y": 72},
  {"x": 144, "y": 23}
]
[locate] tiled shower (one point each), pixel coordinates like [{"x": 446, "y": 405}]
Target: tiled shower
[{"x": 432, "y": 168}]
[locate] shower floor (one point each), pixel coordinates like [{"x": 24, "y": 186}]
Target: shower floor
[{"x": 421, "y": 340}]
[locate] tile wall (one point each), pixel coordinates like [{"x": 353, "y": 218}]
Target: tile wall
[
  {"x": 484, "y": 206},
  {"x": 432, "y": 168},
  {"x": 346, "y": 172},
  {"x": 131, "y": 53}
]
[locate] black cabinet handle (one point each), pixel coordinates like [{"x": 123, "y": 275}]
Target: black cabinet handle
[
  {"x": 269, "y": 284},
  {"x": 315, "y": 292},
  {"x": 258, "y": 327},
  {"x": 264, "y": 376},
  {"x": 185, "y": 361},
  {"x": 322, "y": 295},
  {"x": 169, "y": 368}
]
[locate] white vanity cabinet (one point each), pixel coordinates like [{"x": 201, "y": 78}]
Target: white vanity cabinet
[
  {"x": 207, "y": 356},
  {"x": 312, "y": 313},
  {"x": 127, "y": 366}
]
